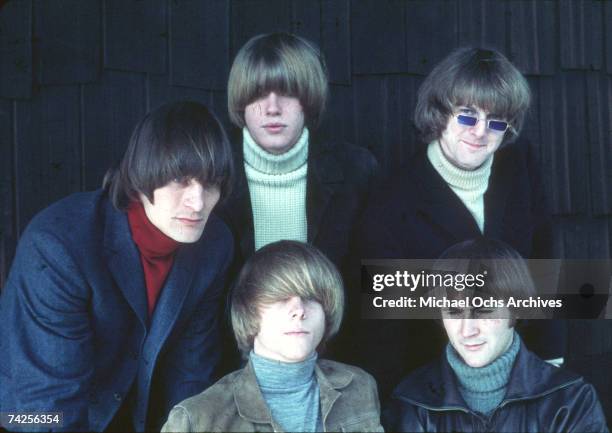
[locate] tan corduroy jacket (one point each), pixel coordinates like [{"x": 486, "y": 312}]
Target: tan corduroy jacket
[{"x": 348, "y": 396}]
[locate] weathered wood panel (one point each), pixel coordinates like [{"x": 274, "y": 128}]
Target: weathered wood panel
[
  {"x": 110, "y": 110},
  {"x": 336, "y": 39},
  {"x": 69, "y": 33},
  {"x": 199, "y": 43},
  {"x": 16, "y": 49},
  {"x": 8, "y": 236},
  {"x": 135, "y": 35},
  {"x": 47, "y": 151}
]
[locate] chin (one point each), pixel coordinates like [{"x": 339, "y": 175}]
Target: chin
[
  {"x": 297, "y": 357},
  {"x": 185, "y": 238}
]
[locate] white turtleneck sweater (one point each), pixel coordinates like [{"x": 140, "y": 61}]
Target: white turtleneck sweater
[
  {"x": 277, "y": 186},
  {"x": 469, "y": 185}
]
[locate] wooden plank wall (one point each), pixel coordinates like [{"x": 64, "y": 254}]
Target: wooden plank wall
[{"x": 76, "y": 75}]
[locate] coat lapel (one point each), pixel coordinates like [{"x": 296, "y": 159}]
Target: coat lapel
[
  {"x": 123, "y": 261},
  {"x": 324, "y": 174},
  {"x": 496, "y": 197},
  {"x": 442, "y": 205},
  {"x": 173, "y": 294},
  {"x": 239, "y": 208}
]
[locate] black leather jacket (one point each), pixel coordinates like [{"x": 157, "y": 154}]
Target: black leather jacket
[{"x": 540, "y": 398}]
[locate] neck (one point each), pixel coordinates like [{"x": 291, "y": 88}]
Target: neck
[
  {"x": 483, "y": 388},
  {"x": 269, "y": 163},
  {"x": 456, "y": 176},
  {"x": 282, "y": 375}
]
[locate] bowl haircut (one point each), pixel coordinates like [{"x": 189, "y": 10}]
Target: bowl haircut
[
  {"x": 277, "y": 272},
  {"x": 472, "y": 77},
  {"x": 176, "y": 141},
  {"x": 282, "y": 63},
  {"x": 507, "y": 274}
]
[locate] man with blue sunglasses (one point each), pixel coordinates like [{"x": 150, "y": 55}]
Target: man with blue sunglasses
[{"x": 471, "y": 178}]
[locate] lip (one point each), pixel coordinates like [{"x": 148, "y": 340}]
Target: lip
[
  {"x": 473, "y": 347},
  {"x": 274, "y": 128},
  {"x": 191, "y": 222},
  {"x": 474, "y": 146},
  {"x": 297, "y": 333}
]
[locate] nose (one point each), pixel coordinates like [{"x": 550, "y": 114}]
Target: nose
[
  {"x": 297, "y": 308},
  {"x": 272, "y": 104},
  {"x": 194, "y": 196},
  {"x": 480, "y": 129},
  {"x": 469, "y": 328}
]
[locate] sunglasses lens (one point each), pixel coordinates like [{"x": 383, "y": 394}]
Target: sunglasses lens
[
  {"x": 498, "y": 125},
  {"x": 467, "y": 120}
]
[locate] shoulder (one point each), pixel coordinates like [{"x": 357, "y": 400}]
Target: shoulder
[
  {"x": 356, "y": 161},
  {"x": 404, "y": 187},
  {"x": 519, "y": 155},
  {"x": 69, "y": 216},
  {"x": 198, "y": 413},
  {"x": 574, "y": 405},
  {"x": 423, "y": 382},
  {"x": 342, "y": 375},
  {"x": 73, "y": 223}
]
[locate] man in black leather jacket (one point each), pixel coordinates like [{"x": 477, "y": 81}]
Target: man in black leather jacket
[{"x": 487, "y": 380}]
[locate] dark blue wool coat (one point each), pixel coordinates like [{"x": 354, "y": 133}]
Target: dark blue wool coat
[{"x": 76, "y": 337}]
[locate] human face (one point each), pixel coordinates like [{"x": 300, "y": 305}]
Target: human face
[
  {"x": 180, "y": 209},
  {"x": 290, "y": 330},
  {"x": 275, "y": 122},
  {"x": 468, "y": 147},
  {"x": 480, "y": 341}
]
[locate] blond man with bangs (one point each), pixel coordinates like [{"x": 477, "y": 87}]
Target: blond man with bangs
[
  {"x": 472, "y": 177},
  {"x": 287, "y": 303},
  {"x": 292, "y": 183}
]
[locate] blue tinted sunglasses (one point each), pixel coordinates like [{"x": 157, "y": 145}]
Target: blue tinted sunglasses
[{"x": 493, "y": 125}]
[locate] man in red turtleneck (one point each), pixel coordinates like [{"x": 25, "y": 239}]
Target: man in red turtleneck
[{"x": 110, "y": 315}]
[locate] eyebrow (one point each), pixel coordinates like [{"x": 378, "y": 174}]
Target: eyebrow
[{"x": 490, "y": 116}]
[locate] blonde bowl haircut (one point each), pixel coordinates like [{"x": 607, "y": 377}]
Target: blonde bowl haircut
[
  {"x": 277, "y": 272},
  {"x": 282, "y": 63},
  {"x": 478, "y": 77}
]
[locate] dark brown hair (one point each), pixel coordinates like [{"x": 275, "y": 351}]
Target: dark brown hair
[{"x": 176, "y": 141}]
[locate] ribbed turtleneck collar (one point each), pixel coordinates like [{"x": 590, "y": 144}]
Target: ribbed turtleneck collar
[
  {"x": 468, "y": 180},
  {"x": 487, "y": 379},
  {"x": 270, "y": 163},
  {"x": 279, "y": 375}
]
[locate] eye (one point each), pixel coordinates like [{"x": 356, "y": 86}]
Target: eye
[
  {"x": 484, "y": 312},
  {"x": 182, "y": 181},
  {"x": 452, "y": 311},
  {"x": 467, "y": 110}
]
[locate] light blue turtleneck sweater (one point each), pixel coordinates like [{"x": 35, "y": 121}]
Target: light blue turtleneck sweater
[
  {"x": 484, "y": 388},
  {"x": 291, "y": 391}
]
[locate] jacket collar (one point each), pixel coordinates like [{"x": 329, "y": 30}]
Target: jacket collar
[
  {"x": 253, "y": 408},
  {"x": 124, "y": 264},
  {"x": 436, "y": 387},
  {"x": 445, "y": 208},
  {"x": 123, "y": 260},
  {"x": 325, "y": 174}
]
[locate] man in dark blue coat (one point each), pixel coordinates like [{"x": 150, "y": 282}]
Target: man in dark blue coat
[{"x": 110, "y": 314}]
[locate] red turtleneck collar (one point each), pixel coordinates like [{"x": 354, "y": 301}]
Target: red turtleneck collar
[{"x": 156, "y": 251}]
